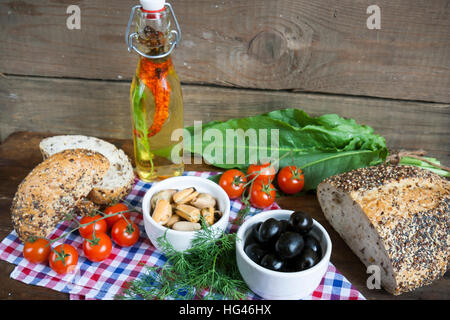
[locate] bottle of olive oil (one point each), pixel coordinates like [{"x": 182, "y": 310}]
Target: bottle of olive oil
[{"x": 155, "y": 96}]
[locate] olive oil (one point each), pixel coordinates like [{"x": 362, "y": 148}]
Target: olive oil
[
  {"x": 156, "y": 101},
  {"x": 149, "y": 165}
]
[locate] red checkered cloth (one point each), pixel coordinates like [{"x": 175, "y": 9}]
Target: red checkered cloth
[{"x": 105, "y": 279}]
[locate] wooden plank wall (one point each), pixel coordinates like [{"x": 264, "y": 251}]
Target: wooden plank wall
[{"x": 237, "y": 58}]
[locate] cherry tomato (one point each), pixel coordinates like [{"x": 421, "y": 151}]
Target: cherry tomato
[
  {"x": 37, "y": 250},
  {"x": 63, "y": 259},
  {"x": 125, "y": 234},
  {"x": 97, "y": 248},
  {"x": 114, "y": 209},
  {"x": 100, "y": 226},
  {"x": 266, "y": 172},
  {"x": 262, "y": 195},
  {"x": 233, "y": 182},
  {"x": 291, "y": 180}
]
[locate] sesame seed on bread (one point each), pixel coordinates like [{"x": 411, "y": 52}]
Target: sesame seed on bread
[
  {"x": 53, "y": 188},
  {"x": 395, "y": 217}
]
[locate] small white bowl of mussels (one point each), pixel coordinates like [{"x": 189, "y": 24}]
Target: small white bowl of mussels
[
  {"x": 282, "y": 254},
  {"x": 174, "y": 208}
]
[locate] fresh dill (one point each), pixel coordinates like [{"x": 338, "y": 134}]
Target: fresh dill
[{"x": 207, "y": 270}]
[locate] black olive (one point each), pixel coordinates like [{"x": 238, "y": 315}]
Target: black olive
[
  {"x": 290, "y": 265},
  {"x": 255, "y": 252},
  {"x": 254, "y": 233},
  {"x": 289, "y": 244},
  {"x": 270, "y": 261},
  {"x": 305, "y": 260},
  {"x": 285, "y": 226},
  {"x": 287, "y": 266},
  {"x": 301, "y": 222},
  {"x": 314, "y": 244},
  {"x": 269, "y": 230},
  {"x": 250, "y": 240}
]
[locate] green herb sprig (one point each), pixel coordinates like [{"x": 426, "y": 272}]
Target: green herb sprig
[
  {"x": 209, "y": 265},
  {"x": 427, "y": 163}
]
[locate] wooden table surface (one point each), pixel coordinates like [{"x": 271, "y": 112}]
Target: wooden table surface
[{"x": 19, "y": 153}]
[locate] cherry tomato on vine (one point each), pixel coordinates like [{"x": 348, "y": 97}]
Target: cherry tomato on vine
[
  {"x": 97, "y": 248},
  {"x": 290, "y": 179},
  {"x": 233, "y": 182},
  {"x": 37, "y": 250},
  {"x": 125, "y": 234},
  {"x": 63, "y": 259},
  {"x": 262, "y": 194},
  {"x": 118, "y": 207},
  {"x": 261, "y": 172},
  {"x": 100, "y": 225}
]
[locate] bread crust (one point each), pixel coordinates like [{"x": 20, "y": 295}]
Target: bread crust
[
  {"x": 409, "y": 209},
  {"x": 53, "y": 188},
  {"x": 100, "y": 194},
  {"x": 86, "y": 207}
]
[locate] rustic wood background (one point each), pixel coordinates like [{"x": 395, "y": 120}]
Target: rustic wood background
[{"x": 236, "y": 58}]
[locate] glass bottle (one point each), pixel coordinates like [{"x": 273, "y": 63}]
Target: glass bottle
[{"x": 155, "y": 95}]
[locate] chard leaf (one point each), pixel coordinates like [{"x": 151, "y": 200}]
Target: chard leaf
[
  {"x": 322, "y": 146},
  {"x": 409, "y": 161}
]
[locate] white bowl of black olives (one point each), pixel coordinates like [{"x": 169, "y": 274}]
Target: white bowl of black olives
[{"x": 282, "y": 254}]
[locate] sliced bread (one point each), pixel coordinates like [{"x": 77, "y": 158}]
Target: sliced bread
[
  {"x": 53, "y": 189},
  {"x": 119, "y": 179},
  {"x": 393, "y": 217}
]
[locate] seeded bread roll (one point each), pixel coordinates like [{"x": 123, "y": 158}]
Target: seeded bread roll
[
  {"x": 395, "y": 217},
  {"x": 85, "y": 207},
  {"x": 119, "y": 179},
  {"x": 53, "y": 188}
]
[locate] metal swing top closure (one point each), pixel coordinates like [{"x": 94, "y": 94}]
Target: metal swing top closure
[{"x": 129, "y": 37}]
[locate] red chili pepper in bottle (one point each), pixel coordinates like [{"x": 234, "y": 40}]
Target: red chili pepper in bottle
[{"x": 155, "y": 78}]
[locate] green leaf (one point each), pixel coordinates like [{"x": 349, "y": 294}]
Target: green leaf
[
  {"x": 215, "y": 178},
  {"x": 165, "y": 152},
  {"x": 140, "y": 117},
  {"x": 321, "y": 146},
  {"x": 408, "y": 161}
]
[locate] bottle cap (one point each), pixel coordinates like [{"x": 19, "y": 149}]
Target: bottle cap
[{"x": 153, "y": 5}]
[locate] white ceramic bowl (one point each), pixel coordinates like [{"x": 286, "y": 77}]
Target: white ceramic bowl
[
  {"x": 181, "y": 240},
  {"x": 276, "y": 285}
]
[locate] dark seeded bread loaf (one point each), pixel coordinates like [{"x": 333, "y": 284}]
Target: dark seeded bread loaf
[
  {"x": 53, "y": 188},
  {"x": 395, "y": 217}
]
